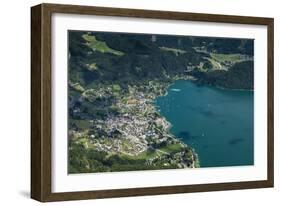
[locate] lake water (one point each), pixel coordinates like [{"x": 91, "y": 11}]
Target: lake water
[{"x": 217, "y": 123}]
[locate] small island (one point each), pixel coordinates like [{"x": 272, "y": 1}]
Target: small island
[{"x": 114, "y": 80}]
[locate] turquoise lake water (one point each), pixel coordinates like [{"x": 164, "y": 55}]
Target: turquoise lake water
[{"x": 217, "y": 123}]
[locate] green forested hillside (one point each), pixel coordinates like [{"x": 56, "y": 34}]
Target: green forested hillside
[{"x": 239, "y": 76}]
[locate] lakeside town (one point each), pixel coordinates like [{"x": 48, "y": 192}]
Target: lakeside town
[{"x": 136, "y": 130}]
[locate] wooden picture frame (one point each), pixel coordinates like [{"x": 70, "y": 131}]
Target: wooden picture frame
[{"x": 41, "y": 96}]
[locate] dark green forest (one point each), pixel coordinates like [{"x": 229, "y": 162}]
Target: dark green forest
[{"x": 143, "y": 58}]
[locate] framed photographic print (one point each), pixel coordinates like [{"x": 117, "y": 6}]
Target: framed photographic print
[{"x": 130, "y": 102}]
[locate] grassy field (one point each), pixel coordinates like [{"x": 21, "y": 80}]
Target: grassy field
[
  {"x": 171, "y": 148},
  {"x": 100, "y": 46},
  {"x": 144, "y": 155},
  {"x": 174, "y": 50},
  {"x": 227, "y": 57},
  {"x": 215, "y": 63}
]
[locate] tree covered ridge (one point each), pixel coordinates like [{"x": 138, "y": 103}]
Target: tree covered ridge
[{"x": 143, "y": 57}]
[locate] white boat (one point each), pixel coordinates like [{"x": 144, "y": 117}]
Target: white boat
[{"x": 175, "y": 90}]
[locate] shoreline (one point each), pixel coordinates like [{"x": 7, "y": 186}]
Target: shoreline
[
  {"x": 193, "y": 79},
  {"x": 139, "y": 132},
  {"x": 225, "y": 88},
  {"x": 180, "y": 88},
  {"x": 195, "y": 156}
]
